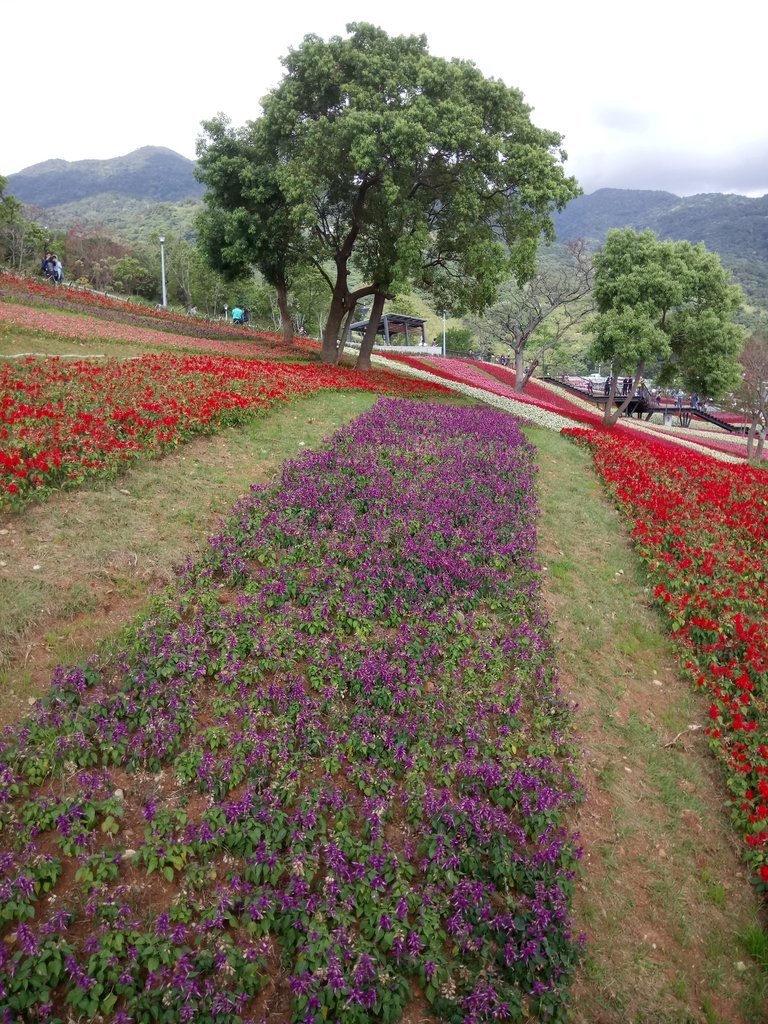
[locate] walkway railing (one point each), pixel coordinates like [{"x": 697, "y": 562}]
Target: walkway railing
[{"x": 644, "y": 403}]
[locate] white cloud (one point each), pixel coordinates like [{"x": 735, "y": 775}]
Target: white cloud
[
  {"x": 665, "y": 95},
  {"x": 624, "y": 120}
]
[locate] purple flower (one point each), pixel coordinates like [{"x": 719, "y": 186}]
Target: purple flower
[{"x": 26, "y": 940}]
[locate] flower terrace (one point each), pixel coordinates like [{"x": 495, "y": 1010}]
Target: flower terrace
[
  {"x": 62, "y": 421},
  {"x": 330, "y": 779}
]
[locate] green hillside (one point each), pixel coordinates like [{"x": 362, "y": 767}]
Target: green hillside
[
  {"x": 152, "y": 174},
  {"x": 127, "y": 219},
  {"x": 735, "y": 227},
  {"x": 154, "y": 189}
]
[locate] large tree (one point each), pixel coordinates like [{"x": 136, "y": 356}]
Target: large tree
[
  {"x": 401, "y": 166},
  {"x": 246, "y": 222},
  {"x": 558, "y": 295},
  {"x": 667, "y": 304},
  {"x": 133, "y": 276},
  {"x": 21, "y": 240}
]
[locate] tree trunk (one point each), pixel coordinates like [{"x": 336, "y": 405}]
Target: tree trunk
[
  {"x": 751, "y": 434},
  {"x": 527, "y": 375},
  {"x": 369, "y": 338},
  {"x": 345, "y": 334},
  {"x": 520, "y": 378},
  {"x": 611, "y": 415},
  {"x": 285, "y": 314},
  {"x": 755, "y": 438},
  {"x": 339, "y": 306}
]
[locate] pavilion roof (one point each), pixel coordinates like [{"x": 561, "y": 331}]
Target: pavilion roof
[{"x": 396, "y": 323}]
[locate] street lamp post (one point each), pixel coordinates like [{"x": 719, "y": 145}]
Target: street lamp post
[
  {"x": 162, "y": 268},
  {"x": 443, "y": 332}
]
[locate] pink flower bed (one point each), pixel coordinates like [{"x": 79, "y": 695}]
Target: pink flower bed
[
  {"x": 499, "y": 381},
  {"x": 87, "y": 328}
]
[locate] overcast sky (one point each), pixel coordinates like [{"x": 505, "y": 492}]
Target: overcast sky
[{"x": 668, "y": 94}]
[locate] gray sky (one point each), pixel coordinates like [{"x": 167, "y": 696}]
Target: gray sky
[{"x": 668, "y": 94}]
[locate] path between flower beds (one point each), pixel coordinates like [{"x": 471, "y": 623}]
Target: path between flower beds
[{"x": 664, "y": 890}]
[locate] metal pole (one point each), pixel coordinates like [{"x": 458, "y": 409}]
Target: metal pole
[
  {"x": 443, "y": 332},
  {"x": 162, "y": 268}
]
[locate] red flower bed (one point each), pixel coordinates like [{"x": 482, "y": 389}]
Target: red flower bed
[
  {"x": 62, "y": 421},
  {"x": 702, "y": 528},
  {"x": 466, "y": 372},
  {"x": 543, "y": 396},
  {"x": 560, "y": 402},
  {"x": 25, "y": 287}
]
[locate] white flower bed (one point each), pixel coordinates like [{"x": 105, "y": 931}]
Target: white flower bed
[{"x": 551, "y": 421}]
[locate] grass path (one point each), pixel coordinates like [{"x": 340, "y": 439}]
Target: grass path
[{"x": 664, "y": 898}]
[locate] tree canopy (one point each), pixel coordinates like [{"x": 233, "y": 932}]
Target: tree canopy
[
  {"x": 20, "y": 238},
  {"x": 669, "y": 305},
  {"x": 246, "y": 222},
  {"x": 374, "y": 155}
]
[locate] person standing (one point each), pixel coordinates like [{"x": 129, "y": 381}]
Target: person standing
[
  {"x": 58, "y": 270},
  {"x": 46, "y": 266}
]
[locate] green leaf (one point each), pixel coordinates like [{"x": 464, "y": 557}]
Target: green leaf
[{"x": 108, "y": 1002}]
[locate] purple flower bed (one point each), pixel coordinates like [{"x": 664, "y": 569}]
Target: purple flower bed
[{"x": 329, "y": 778}]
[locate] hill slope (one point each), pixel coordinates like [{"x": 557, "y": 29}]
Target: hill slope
[
  {"x": 151, "y": 173},
  {"x": 735, "y": 227},
  {"x": 726, "y": 223},
  {"x": 154, "y": 188}
]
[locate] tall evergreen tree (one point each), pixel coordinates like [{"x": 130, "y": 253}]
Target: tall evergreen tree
[
  {"x": 667, "y": 304},
  {"x": 384, "y": 159}
]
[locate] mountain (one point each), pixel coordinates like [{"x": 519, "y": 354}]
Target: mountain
[
  {"x": 154, "y": 189},
  {"x": 150, "y": 190},
  {"x": 151, "y": 173},
  {"x": 726, "y": 223},
  {"x": 735, "y": 227}
]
